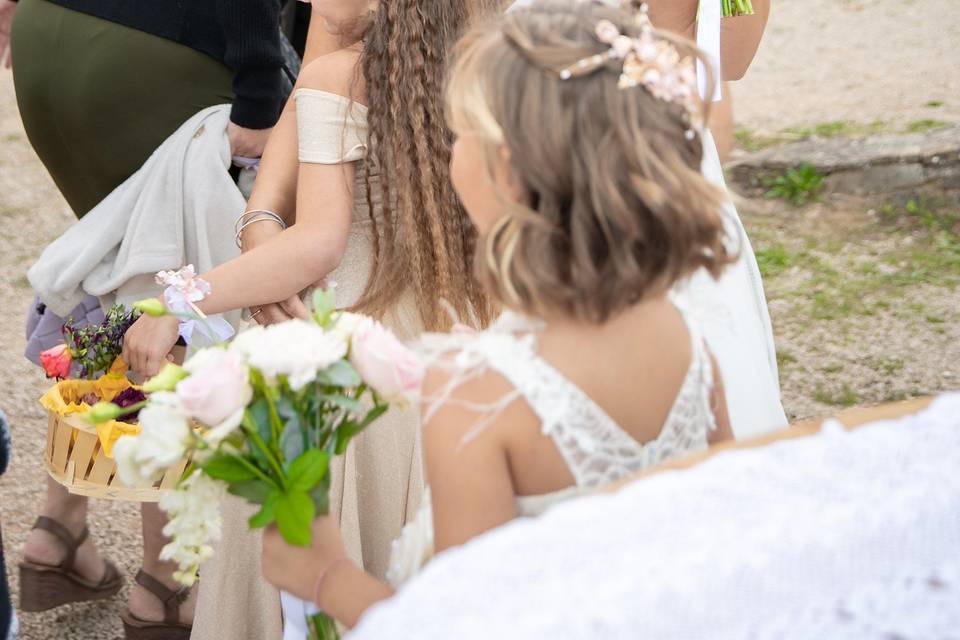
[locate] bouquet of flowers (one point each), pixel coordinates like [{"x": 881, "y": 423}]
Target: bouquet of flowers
[
  {"x": 92, "y": 348},
  {"x": 261, "y": 419},
  {"x": 733, "y": 8}
]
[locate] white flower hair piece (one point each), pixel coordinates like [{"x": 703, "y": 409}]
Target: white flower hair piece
[{"x": 649, "y": 62}]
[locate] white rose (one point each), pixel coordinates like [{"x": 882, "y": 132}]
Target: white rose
[{"x": 296, "y": 349}]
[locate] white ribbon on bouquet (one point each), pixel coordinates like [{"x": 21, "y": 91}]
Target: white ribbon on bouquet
[{"x": 295, "y": 614}]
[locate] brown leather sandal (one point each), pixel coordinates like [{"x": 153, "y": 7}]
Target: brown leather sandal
[
  {"x": 44, "y": 587},
  {"x": 171, "y": 628}
]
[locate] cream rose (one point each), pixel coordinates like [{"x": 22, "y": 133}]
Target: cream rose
[
  {"x": 385, "y": 364},
  {"x": 217, "y": 391}
]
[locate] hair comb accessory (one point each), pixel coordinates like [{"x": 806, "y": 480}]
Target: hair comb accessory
[{"x": 648, "y": 61}]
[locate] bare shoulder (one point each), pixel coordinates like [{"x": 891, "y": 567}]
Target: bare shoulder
[
  {"x": 336, "y": 72},
  {"x": 457, "y": 407}
]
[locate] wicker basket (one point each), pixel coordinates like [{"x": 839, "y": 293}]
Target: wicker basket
[{"x": 75, "y": 459}]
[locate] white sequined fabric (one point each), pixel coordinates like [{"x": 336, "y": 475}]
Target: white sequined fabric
[{"x": 841, "y": 535}]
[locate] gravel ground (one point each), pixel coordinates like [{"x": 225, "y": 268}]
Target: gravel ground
[
  {"x": 859, "y": 61},
  {"x": 862, "y": 293}
]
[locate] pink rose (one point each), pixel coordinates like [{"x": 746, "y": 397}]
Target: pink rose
[
  {"x": 56, "y": 361},
  {"x": 385, "y": 364},
  {"x": 217, "y": 391}
]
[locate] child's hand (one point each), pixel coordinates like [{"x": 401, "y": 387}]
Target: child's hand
[
  {"x": 148, "y": 343},
  {"x": 296, "y": 569}
]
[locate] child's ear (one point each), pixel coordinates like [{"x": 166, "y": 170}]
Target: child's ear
[{"x": 507, "y": 177}]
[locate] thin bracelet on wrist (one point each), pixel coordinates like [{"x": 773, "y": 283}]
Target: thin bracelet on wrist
[
  {"x": 259, "y": 216},
  {"x": 253, "y": 212},
  {"x": 321, "y": 578}
]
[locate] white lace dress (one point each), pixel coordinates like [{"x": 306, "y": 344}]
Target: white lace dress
[
  {"x": 596, "y": 450},
  {"x": 732, "y": 311}
]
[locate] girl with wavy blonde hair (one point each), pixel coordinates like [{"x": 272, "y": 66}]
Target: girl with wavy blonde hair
[{"x": 578, "y": 159}]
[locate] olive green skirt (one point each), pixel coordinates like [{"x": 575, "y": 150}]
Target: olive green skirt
[{"x": 97, "y": 98}]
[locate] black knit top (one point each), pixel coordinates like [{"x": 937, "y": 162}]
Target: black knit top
[{"x": 243, "y": 34}]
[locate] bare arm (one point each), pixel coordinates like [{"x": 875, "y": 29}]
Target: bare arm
[
  {"x": 718, "y": 402},
  {"x": 467, "y": 470},
  {"x": 679, "y": 16},
  {"x": 289, "y": 261},
  {"x": 740, "y": 38},
  {"x": 276, "y": 186}
]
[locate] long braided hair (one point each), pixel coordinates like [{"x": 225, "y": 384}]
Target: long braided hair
[{"x": 423, "y": 238}]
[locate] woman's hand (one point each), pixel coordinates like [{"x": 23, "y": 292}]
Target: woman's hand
[
  {"x": 148, "y": 343},
  {"x": 7, "y": 7},
  {"x": 296, "y": 569},
  {"x": 247, "y": 143},
  {"x": 277, "y": 312}
]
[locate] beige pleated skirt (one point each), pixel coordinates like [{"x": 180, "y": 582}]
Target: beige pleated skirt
[{"x": 376, "y": 488}]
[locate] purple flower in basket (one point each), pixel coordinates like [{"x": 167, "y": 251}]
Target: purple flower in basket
[{"x": 129, "y": 397}]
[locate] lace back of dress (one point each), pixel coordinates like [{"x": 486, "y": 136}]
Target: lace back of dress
[{"x": 596, "y": 450}]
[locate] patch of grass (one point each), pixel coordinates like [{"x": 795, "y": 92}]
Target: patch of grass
[
  {"x": 845, "y": 397},
  {"x": 750, "y": 141},
  {"x": 925, "y": 124},
  {"x": 11, "y": 137},
  {"x": 774, "y": 260},
  {"x": 833, "y": 368},
  {"x": 934, "y": 104},
  {"x": 929, "y": 212},
  {"x": 889, "y": 366},
  {"x": 21, "y": 283},
  {"x": 834, "y": 129},
  {"x": 784, "y": 358},
  {"x": 935, "y": 320},
  {"x": 798, "y": 186}
]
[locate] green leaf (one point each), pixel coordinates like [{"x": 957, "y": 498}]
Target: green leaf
[
  {"x": 340, "y": 374},
  {"x": 228, "y": 468},
  {"x": 324, "y": 304},
  {"x": 308, "y": 470},
  {"x": 294, "y": 512},
  {"x": 373, "y": 414},
  {"x": 267, "y": 513},
  {"x": 253, "y": 491},
  {"x": 320, "y": 495},
  {"x": 345, "y": 433},
  {"x": 292, "y": 440}
]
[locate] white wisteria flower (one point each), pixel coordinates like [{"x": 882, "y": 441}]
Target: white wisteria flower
[
  {"x": 296, "y": 349},
  {"x": 195, "y": 522},
  {"x": 163, "y": 439}
]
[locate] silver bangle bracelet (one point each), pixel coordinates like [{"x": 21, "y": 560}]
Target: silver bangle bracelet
[
  {"x": 256, "y": 213},
  {"x": 260, "y": 217}
]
